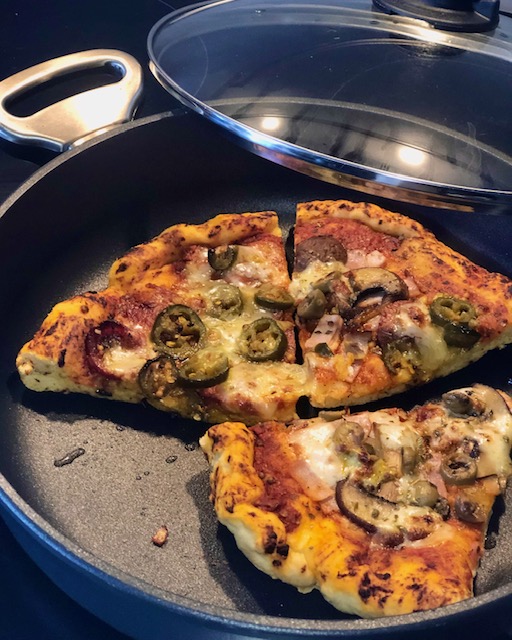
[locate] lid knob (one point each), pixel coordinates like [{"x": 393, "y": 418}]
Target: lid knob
[{"x": 451, "y": 15}]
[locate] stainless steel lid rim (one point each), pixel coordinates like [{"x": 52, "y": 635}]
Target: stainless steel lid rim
[
  {"x": 287, "y": 153},
  {"x": 395, "y": 76},
  {"x": 397, "y": 25}
]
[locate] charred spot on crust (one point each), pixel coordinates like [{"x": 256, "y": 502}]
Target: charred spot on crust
[
  {"x": 51, "y": 330},
  {"x": 368, "y": 589},
  {"x": 270, "y": 542},
  {"x": 62, "y": 358},
  {"x": 122, "y": 267}
]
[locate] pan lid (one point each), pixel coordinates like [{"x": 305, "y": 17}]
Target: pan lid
[{"x": 384, "y": 103}]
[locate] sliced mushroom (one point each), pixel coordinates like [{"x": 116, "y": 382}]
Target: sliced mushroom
[
  {"x": 323, "y": 248},
  {"x": 469, "y": 511},
  {"x": 375, "y": 286},
  {"x": 332, "y": 416},
  {"x": 397, "y": 446},
  {"x": 390, "y": 521},
  {"x": 348, "y": 435},
  {"x": 476, "y": 401}
]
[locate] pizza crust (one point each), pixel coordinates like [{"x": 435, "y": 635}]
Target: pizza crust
[{"x": 270, "y": 488}]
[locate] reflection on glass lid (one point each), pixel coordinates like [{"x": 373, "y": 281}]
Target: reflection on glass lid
[{"x": 339, "y": 85}]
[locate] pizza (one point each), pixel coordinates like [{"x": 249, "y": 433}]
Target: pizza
[
  {"x": 206, "y": 320},
  {"x": 382, "y": 305},
  {"x": 384, "y": 512},
  {"x": 198, "y": 321}
]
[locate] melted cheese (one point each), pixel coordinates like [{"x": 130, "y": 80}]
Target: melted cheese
[
  {"x": 315, "y": 271},
  {"x": 269, "y": 390},
  {"x": 126, "y": 362},
  {"x": 251, "y": 266},
  {"x": 429, "y": 339}
]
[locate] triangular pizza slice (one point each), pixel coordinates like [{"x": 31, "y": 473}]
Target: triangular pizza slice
[
  {"x": 384, "y": 512},
  {"x": 198, "y": 321},
  {"x": 382, "y": 305}
]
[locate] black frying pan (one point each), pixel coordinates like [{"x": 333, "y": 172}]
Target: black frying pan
[{"x": 89, "y": 524}]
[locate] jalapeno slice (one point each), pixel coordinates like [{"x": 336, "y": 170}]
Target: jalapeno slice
[
  {"x": 323, "y": 350},
  {"x": 225, "y": 301},
  {"x": 272, "y": 297},
  {"x": 446, "y": 309},
  {"x": 158, "y": 380},
  {"x": 263, "y": 340},
  {"x": 178, "y": 331},
  {"x": 402, "y": 354},
  {"x": 205, "y": 368},
  {"x": 222, "y": 258},
  {"x": 455, "y": 317},
  {"x": 460, "y": 335},
  {"x": 313, "y": 306},
  {"x": 158, "y": 377}
]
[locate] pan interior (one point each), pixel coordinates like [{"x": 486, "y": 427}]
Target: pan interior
[{"x": 139, "y": 469}]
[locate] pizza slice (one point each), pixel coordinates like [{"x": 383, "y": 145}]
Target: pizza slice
[
  {"x": 384, "y": 512},
  {"x": 198, "y": 321},
  {"x": 382, "y": 305}
]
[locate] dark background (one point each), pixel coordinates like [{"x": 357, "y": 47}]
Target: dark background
[{"x": 32, "y": 31}]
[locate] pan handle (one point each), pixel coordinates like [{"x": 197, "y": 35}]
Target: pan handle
[{"x": 69, "y": 122}]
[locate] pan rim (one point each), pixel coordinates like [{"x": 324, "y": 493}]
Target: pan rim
[
  {"x": 65, "y": 156},
  {"x": 221, "y": 618},
  {"x": 69, "y": 552}
]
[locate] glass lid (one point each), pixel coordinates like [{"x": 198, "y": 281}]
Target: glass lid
[{"x": 339, "y": 90}]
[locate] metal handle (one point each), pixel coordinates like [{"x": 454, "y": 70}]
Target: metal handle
[{"x": 71, "y": 121}]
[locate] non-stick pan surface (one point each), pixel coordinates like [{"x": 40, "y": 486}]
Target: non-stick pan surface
[{"x": 89, "y": 524}]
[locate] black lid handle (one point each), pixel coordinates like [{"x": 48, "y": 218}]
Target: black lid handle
[{"x": 450, "y": 15}]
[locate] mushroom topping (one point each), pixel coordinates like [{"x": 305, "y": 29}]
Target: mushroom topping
[
  {"x": 323, "y": 248},
  {"x": 374, "y": 286},
  {"x": 348, "y": 435},
  {"x": 390, "y": 521},
  {"x": 469, "y": 511},
  {"x": 327, "y": 332},
  {"x": 398, "y": 446},
  {"x": 477, "y": 401}
]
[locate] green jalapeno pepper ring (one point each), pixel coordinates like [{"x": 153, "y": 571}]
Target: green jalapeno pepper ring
[
  {"x": 263, "y": 340},
  {"x": 178, "y": 331}
]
